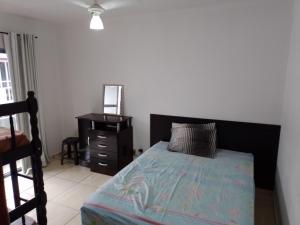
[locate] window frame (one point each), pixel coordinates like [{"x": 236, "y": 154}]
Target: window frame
[{"x": 6, "y": 83}]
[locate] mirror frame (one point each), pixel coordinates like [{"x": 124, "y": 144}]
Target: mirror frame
[{"x": 121, "y": 102}]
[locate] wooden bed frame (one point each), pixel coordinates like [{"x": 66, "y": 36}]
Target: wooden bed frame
[
  {"x": 261, "y": 140},
  {"x": 34, "y": 150}
]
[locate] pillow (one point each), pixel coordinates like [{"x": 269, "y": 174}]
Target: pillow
[
  {"x": 194, "y": 139},
  {"x": 209, "y": 126}
]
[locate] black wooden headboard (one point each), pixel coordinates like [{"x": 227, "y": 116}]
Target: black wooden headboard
[{"x": 259, "y": 139}]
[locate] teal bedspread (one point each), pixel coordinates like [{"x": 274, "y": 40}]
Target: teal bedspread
[{"x": 162, "y": 187}]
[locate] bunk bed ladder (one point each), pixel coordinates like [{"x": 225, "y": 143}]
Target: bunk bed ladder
[
  {"x": 36, "y": 161},
  {"x": 3, "y": 209},
  {"x": 40, "y": 199},
  {"x": 14, "y": 170}
]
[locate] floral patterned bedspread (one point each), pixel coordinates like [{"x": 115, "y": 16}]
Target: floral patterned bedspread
[{"x": 162, "y": 187}]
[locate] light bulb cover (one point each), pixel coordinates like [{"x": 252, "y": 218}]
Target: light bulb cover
[{"x": 96, "y": 22}]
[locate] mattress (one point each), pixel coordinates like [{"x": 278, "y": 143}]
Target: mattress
[
  {"x": 162, "y": 187},
  {"x": 5, "y": 139}
]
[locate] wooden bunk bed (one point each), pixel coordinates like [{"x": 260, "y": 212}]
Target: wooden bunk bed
[{"x": 18, "y": 151}]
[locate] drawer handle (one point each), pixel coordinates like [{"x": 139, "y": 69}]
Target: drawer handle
[
  {"x": 101, "y": 137},
  {"x": 103, "y": 164},
  {"x": 102, "y": 146},
  {"x": 102, "y": 155}
]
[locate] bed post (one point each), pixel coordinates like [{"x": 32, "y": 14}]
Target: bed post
[
  {"x": 13, "y": 168},
  {"x": 36, "y": 160},
  {"x": 3, "y": 208}
]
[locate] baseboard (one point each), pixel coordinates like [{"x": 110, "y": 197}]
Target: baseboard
[{"x": 55, "y": 156}]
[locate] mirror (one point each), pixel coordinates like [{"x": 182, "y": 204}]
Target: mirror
[{"x": 113, "y": 99}]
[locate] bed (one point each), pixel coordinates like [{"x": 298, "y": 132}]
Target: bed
[
  {"x": 14, "y": 145},
  {"x": 162, "y": 187},
  {"x": 5, "y": 139}
]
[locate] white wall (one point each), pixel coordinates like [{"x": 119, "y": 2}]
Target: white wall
[
  {"x": 288, "y": 182},
  {"x": 48, "y": 71},
  {"x": 224, "y": 61}
]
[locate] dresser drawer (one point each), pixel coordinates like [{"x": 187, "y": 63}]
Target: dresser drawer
[
  {"x": 103, "y": 155},
  {"x": 103, "y": 136},
  {"x": 105, "y": 166},
  {"x": 102, "y": 146}
]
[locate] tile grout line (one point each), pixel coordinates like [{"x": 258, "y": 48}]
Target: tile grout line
[
  {"x": 56, "y": 176},
  {"x": 59, "y": 196},
  {"x": 74, "y": 180},
  {"x": 72, "y": 218},
  {"x": 65, "y": 206},
  {"x": 55, "y": 199},
  {"x": 55, "y": 170}
]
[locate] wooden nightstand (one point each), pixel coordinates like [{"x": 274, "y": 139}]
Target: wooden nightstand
[{"x": 106, "y": 142}]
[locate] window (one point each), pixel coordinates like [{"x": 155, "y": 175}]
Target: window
[{"x": 6, "y": 94}]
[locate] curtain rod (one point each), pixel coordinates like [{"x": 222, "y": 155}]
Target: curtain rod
[{"x": 2, "y": 32}]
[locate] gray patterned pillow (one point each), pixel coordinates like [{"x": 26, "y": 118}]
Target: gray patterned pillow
[
  {"x": 194, "y": 139},
  {"x": 209, "y": 126}
]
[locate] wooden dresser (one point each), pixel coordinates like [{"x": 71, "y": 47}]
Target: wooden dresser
[{"x": 106, "y": 142}]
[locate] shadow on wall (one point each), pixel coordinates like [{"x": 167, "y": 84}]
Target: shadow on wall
[{"x": 280, "y": 206}]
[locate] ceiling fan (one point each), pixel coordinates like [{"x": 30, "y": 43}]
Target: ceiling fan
[{"x": 96, "y": 9}]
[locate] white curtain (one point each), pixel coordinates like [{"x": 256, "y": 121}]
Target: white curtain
[{"x": 20, "y": 49}]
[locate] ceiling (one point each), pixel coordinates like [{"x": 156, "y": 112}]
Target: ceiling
[{"x": 65, "y": 11}]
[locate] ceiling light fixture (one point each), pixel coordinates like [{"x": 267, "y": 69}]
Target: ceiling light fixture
[{"x": 96, "y": 21}]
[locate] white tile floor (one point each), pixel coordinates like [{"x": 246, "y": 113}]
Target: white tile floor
[{"x": 66, "y": 186}]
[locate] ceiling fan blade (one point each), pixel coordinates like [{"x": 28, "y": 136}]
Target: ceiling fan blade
[
  {"x": 79, "y": 3},
  {"x": 115, "y": 4}
]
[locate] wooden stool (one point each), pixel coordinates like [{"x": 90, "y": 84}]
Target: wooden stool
[{"x": 70, "y": 141}]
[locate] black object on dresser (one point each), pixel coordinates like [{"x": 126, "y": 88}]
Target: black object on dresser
[{"x": 105, "y": 141}]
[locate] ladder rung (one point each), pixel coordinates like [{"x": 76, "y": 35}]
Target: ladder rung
[{"x": 27, "y": 177}]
